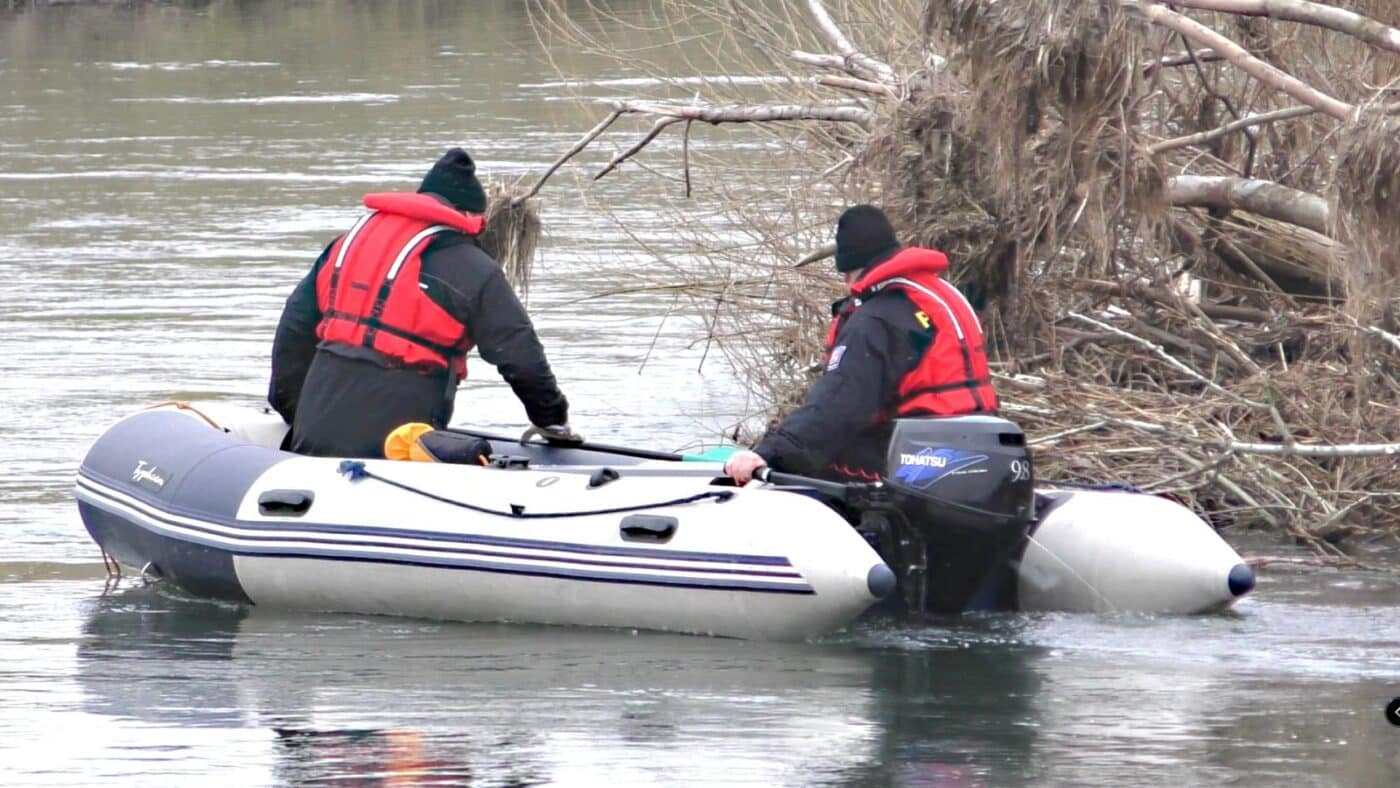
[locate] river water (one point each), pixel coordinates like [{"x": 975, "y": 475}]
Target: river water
[{"x": 166, "y": 176}]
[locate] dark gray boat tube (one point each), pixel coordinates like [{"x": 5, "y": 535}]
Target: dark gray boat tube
[{"x": 154, "y": 467}]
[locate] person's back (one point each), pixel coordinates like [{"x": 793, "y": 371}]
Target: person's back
[
  {"x": 377, "y": 333},
  {"x": 904, "y": 344}
]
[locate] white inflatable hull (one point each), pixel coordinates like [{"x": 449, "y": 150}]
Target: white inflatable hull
[
  {"x": 750, "y": 563},
  {"x": 1112, "y": 551}
]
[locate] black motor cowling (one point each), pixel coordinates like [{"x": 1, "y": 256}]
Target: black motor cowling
[{"x": 960, "y": 505}]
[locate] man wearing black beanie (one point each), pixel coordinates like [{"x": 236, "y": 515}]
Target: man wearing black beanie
[
  {"x": 377, "y": 334},
  {"x": 904, "y": 344}
]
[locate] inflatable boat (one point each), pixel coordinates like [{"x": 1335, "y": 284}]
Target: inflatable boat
[{"x": 203, "y": 497}]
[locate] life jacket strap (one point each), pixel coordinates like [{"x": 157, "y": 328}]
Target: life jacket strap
[
  {"x": 954, "y": 386},
  {"x": 377, "y": 324}
]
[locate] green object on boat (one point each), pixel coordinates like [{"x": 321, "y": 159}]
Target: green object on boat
[{"x": 713, "y": 454}]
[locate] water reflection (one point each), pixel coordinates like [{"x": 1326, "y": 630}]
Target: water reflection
[
  {"x": 378, "y": 699},
  {"x": 160, "y": 659}
]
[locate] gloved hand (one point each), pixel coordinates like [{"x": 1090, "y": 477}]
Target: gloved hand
[
  {"x": 742, "y": 464},
  {"x": 554, "y": 434}
]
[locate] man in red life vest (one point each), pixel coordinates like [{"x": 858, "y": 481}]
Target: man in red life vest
[
  {"x": 905, "y": 343},
  {"x": 377, "y": 334}
]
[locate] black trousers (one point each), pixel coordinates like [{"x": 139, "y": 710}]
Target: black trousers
[{"x": 349, "y": 405}]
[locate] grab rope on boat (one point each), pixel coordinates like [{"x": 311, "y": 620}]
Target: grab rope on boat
[{"x": 355, "y": 470}]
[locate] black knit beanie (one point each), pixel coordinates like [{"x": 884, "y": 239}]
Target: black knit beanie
[
  {"x": 454, "y": 179},
  {"x": 864, "y": 237}
]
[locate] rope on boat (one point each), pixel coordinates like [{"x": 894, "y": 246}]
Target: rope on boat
[
  {"x": 114, "y": 569},
  {"x": 182, "y": 405},
  {"x": 355, "y": 470}
]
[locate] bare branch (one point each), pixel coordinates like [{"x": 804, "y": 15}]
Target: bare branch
[
  {"x": 1228, "y": 128},
  {"x": 1383, "y": 334},
  {"x": 859, "y": 64},
  {"x": 1264, "y": 198},
  {"x": 820, "y": 253},
  {"x": 859, "y": 85},
  {"x": 819, "y": 61},
  {"x": 1161, "y": 353},
  {"x": 578, "y": 146},
  {"x": 749, "y": 113},
  {"x": 1248, "y": 63},
  {"x": 1242, "y": 447},
  {"x": 1353, "y": 24},
  {"x": 1181, "y": 59},
  {"x": 685, "y": 155},
  {"x": 656, "y": 129},
  {"x": 1313, "y": 450}
]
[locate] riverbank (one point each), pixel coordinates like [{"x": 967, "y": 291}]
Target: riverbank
[{"x": 1174, "y": 298}]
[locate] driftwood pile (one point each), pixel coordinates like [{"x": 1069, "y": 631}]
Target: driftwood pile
[{"x": 1180, "y": 221}]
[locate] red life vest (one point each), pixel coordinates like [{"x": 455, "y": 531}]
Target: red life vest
[
  {"x": 952, "y": 378},
  {"x": 368, "y": 289}
]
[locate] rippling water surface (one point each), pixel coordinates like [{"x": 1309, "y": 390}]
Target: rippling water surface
[{"x": 167, "y": 174}]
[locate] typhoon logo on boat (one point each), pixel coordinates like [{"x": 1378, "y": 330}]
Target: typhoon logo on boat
[
  {"x": 147, "y": 473},
  {"x": 928, "y": 465}
]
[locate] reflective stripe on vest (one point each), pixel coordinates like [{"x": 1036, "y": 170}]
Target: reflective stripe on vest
[
  {"x": 340, "y": 258},
  {"x": 390, "y": 313},
  {"x": 971, "y": 381}
]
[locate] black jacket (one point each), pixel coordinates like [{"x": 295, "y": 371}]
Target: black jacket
[
  {"x": 342, "y": 401},
  {"x": 833, "y": 434}
]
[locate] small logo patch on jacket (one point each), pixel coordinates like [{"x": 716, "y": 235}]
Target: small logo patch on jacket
[{"x": 836, "y": 354}]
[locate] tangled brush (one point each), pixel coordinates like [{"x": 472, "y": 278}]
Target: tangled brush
[
  {"x": 1366, "y": 196},
  {"x": 512, "y": 234}
]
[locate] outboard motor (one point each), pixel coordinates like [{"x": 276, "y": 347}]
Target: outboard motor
[{"x": 960, "y": 502}]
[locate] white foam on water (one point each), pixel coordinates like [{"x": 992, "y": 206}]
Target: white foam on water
[
  {"x": 178, "y": 66},
  {"x": 318, "y": 98},
  {"x": 634, "y": 82},
  {"x": 199, "y": 175}
]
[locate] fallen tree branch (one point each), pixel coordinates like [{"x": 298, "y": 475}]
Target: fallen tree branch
[
  {"x": 1383, "y": 334},
  {"x": 1264, "y": 198},
  {"x": 1197, "y": 468},
  {"x": 1269, "y": 75},
  {"x": 1143, "y": 292},
  {"x": 1049, "y": 440},
  {"x": 748, "y": 113},
  {"x": 1273, "y": 449},
  {"x": 858, "y": 63},
  {"x": 1161, "y": 353},
  {"x": 1341, "y": 20},
  {"x": 858, "y": 85},
  {"x": 817, "y": 60},
  {"x": 1318, "y": 562},
  {"x": 1314, "y": 450}
]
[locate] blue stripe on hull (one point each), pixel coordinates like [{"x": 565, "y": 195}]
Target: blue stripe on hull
[
  {"x": 140, "y": 521},
  {"x": 101, "y": 481}
]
